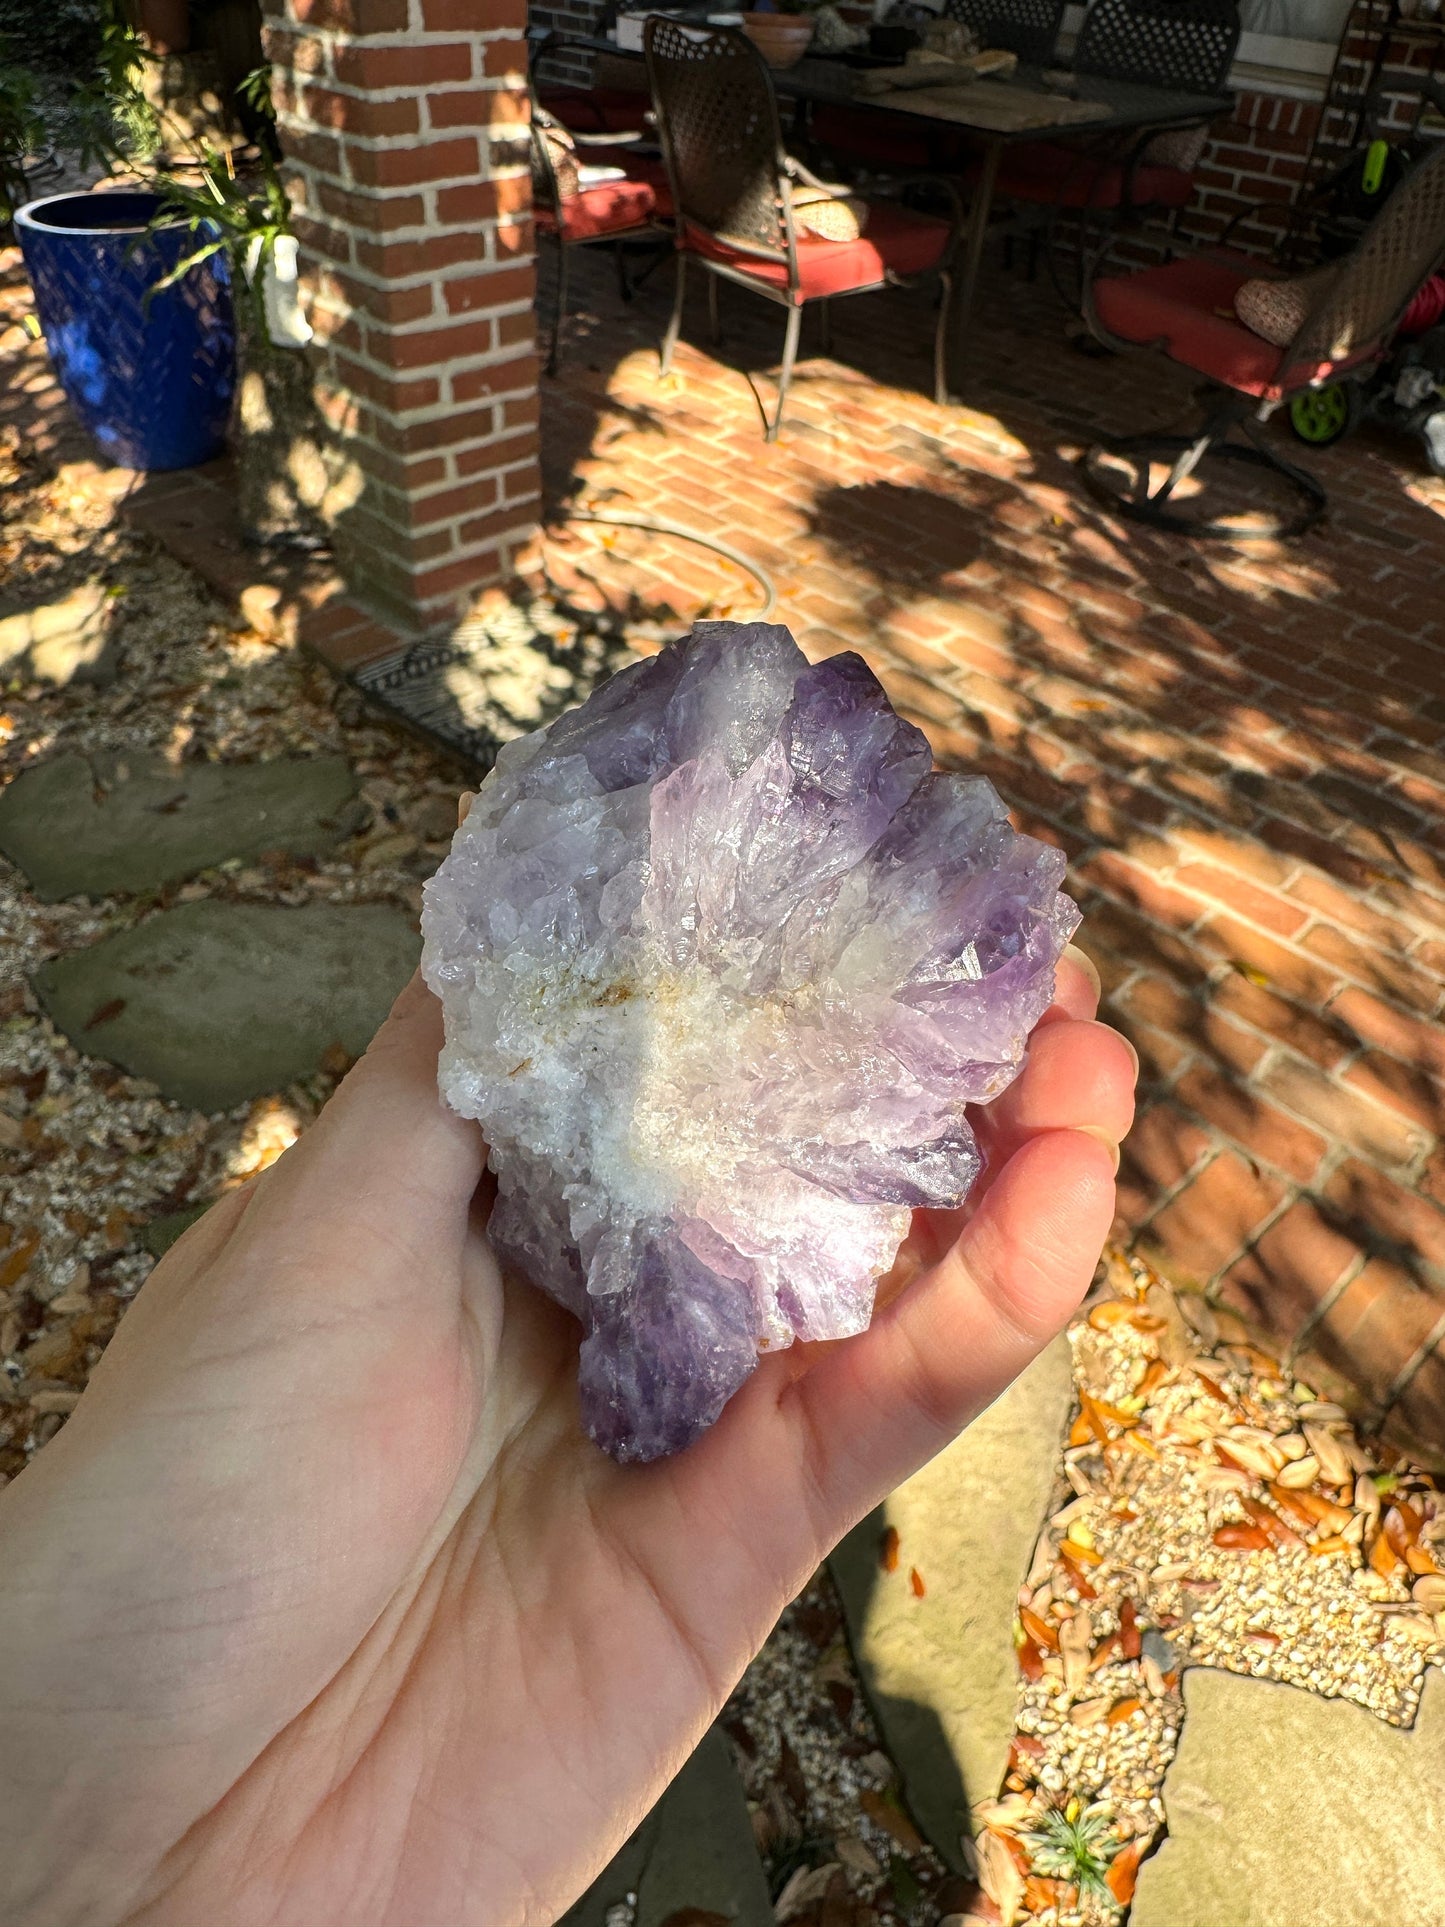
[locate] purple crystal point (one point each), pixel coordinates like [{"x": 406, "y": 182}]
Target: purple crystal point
[{"x": 723, "y": 960}]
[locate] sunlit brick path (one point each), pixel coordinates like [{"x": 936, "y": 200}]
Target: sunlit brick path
[{"x": 1243, "y": 752}]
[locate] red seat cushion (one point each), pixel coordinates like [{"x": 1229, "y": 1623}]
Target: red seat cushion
[
  {"x": 895, "y": 240},
  {"x": 650, "y": 168},
  {"x": 1187, "y": 309},
  {"x": 1063, "y": 176},
  {"x": 611, "y": 208},
  {"x": 595, "y": 110}
]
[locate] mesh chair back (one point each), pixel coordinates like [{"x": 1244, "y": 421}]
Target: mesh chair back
[
  {"x": 718, "y": 118},
  {"x": 1359, "y": 306},
  {"x": 1186, "y": 45},
  {"x": 1028, "y": 28}
]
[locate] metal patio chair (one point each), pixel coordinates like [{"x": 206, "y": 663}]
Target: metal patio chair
[
  {"x": 732, "y": 186},
  {"x": 1028, "y": 28},
  {"x": 571, "y": 211},
  {"x": 1186, "y": 308},
  {"x": 1182, "y": 46}
]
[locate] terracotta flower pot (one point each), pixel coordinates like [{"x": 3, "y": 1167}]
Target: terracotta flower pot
[
  {"x": 166, "y": 24},
  {"x": 781, "y": 38}
]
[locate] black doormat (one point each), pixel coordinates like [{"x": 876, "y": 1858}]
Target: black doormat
[{"x": 499, "y": 674}]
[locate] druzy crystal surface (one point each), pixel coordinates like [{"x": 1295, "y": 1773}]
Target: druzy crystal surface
[{"x": 723, "y": 959}]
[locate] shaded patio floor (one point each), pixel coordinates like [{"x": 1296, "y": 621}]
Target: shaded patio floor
[{"x": 1241, "y": 748}]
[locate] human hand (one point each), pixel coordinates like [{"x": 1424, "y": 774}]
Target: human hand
[{"x": 322, "y": 1608}]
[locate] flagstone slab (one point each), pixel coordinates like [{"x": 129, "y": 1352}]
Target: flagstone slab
[
  {"x": 107, "y": 823},
  {"x": 694, "y": 1851},
  {"x": 1285, "y": 1810},
  {"x": 940, "y": 1670},
  {"x": 217, "y": 1002}
]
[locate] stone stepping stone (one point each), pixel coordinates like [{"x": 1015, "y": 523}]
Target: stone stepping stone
[
  {"x": 695, "y": 1850},
  {"x": 96, "y": 825},
  {"x": 218, "y": 1002},
  {"x": 1285, "y": 1810},
  {"x": 940, "y": 1671}
]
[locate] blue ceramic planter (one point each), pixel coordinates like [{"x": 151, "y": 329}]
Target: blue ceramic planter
[{"x": 151, "y": 381}]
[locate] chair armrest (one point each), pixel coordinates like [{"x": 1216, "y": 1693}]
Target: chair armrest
[
  {"x": 588, "y": 139},
  {"x": 892, "y": 187}
]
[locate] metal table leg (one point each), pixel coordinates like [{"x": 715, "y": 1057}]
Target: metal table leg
[{"x": 978, "y": 214}]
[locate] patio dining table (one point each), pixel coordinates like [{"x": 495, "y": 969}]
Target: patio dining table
[{"x": 996, "y": 113}]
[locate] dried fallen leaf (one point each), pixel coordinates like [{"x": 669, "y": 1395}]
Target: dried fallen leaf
[
  {"x": 1383, "y": 1558},
  {"x": 1076, "y": 1644},
  {"x": 1247, "y": 1457},
  {"x": 886, "y": 1813},
  {"x": 1031, "y": 1660},
  {"x": 44, "y": 1403},
  {"x": 888, "y": 1549},
  {"x": 854, "y": 1854},
  {"x": 1123, "y": 1872},
  {"x": 1334, "y": 1543},
  {"x": 915, "y": 1582},
  {"x": 1104, "y": 1652},
  {"x": 1154, "y": 1375},
  {"x": 1039, "y": 1630},
  {"x": 1419, "y": 1561},
  {"x": 1400, "y": 1529},
  {"x": 1124, "y": 1709},
  {"x": 1199, "y": 1316},
  {"x": 1270, "y": 1522},
  {"x": 802, "y": 1890},
  {"x": 1130, "y": 1641},
  {"x": 105, "y": 1013},
  {"x": 1241, "y": 1538},
  {"x": 1300, "y": 1472},
  {"x": 1334, "y": 1463},
  {"x": 1114, "y": 1311},
  {"x": 1089, "y": 1712},
  {"x": 16, "y": 1262}
]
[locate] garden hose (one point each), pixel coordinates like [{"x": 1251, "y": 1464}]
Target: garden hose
[{"x": 650, "y": 526}]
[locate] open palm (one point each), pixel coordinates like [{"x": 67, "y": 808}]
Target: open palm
[{"x": 322, "y": 1609}]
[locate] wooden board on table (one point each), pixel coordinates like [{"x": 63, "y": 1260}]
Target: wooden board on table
[
  {"x": 930, "y": 70},
  {"x": 998, "y": 106}
]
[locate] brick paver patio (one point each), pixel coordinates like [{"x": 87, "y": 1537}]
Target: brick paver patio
[{"x": 1241, "y": 749}]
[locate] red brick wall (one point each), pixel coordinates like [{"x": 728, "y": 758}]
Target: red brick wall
[
  {"x": 1258, "y": 156},
  {"x": 403, "y": 124}
]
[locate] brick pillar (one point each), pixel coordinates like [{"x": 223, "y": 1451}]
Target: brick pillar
[{"x": 404, "y": 129}]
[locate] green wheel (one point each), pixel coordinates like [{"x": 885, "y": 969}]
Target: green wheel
[{"x": 1323, "y": 415}]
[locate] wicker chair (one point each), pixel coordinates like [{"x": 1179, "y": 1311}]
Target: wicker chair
[
  {"x": 1186, "y": 308},
  {"x": 732, "y": 191}
]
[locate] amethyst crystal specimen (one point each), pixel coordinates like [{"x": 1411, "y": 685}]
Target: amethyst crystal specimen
[{"x": 722, "y": 961}]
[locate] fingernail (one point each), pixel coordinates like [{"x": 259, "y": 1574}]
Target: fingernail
[
  {"x": 1085, "y": 963},
  {"x": 1097, "y": 1131},
  {"x": 464, "y": 804},
  {"x": 1131, "y": 1050}
]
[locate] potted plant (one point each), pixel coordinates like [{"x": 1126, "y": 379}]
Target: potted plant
[
  {"x": 141, "y": 341},
  {"x": 782, "y": 33},
  {"x": 292, "y": 477},
  {"x": 21, "y": 132}
]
